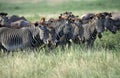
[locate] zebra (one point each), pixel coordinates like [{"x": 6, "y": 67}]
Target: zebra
[{"x": 26, "y": 37}]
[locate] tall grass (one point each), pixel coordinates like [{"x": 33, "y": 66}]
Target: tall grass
[
  {"x": 74, "y": 62},
  {"x": 103, "y": 61}
]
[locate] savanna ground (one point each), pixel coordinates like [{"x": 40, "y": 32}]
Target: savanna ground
[{"x": 103, "y": 61}]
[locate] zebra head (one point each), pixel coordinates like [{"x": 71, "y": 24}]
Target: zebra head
[
  {"x": 47, "y": 35},
  {"x": 4, "y": 21},
  {"x": 109, "y": 25}
]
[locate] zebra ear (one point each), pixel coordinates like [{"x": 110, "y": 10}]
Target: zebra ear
[
  {"x": 42, "y": 20},
  {"x": 98, "y": 15},
  {"x": 66, "y": 12},
  {"x": 36, "y": 24},
  {"x": 110, "y": 14},
  {"x": 3, "y": 14},
  {"x": 80, "y": 20},
  {"x": 6, "y": 14},
  {"x": 60, "y": 17}
]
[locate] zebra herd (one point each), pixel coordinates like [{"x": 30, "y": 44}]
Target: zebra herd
[{"x": 18, "y": 33}]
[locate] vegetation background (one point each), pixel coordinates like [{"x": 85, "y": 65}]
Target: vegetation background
[{"x": 103, "y": 61}]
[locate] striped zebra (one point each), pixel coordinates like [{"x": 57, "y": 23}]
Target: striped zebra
[{"x": 26, "y": 37}]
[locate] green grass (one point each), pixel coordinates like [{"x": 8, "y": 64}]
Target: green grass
[
  {"x": 74, "y": 62},
  {"x": 103, "y": 61}
]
